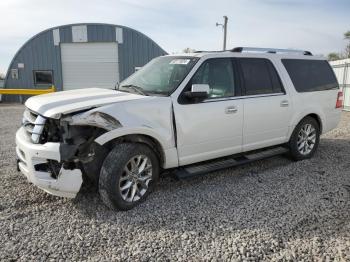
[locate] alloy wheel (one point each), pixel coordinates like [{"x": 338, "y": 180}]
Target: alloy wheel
[
  {"x": 306, "y": 139},
  {"x": 135, "y": 178}
]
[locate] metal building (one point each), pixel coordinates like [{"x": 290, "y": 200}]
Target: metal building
[
  {"x": 79, "y": 56},
  {"x": 342, "y": 71}
]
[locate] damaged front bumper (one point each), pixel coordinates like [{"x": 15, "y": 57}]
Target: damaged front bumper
[{"x": 31, "y": 156}]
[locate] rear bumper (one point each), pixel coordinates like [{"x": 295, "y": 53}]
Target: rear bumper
[{"x": 29, "y": 155}]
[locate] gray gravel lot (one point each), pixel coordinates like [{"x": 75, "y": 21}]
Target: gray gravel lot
[{"x": 273, "y": 209}]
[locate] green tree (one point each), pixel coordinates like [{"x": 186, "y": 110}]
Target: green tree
[
  {"x": 333, "y": 56},
  {"x": 347, "y": 35}
]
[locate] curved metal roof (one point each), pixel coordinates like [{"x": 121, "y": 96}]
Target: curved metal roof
[{"x": 69, "y": 25}]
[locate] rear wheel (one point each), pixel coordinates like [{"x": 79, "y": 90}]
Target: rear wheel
[
  {"x": 128, "y": 175},
  {"x": 305, "y": 139}
]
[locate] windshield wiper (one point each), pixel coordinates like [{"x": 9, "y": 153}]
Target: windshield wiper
[
  {"x": 137, "y": 89},
  {"x": 162, "y": 93}
]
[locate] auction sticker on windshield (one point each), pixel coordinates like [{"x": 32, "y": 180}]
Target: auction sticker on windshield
[{"x": 179, "y": 61}]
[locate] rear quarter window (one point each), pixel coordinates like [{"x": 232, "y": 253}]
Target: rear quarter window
[{"x": 310, "y": 75}]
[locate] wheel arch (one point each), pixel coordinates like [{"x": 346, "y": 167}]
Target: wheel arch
[
  {"x": 317, "y": 118},
  {"x": 150, "y": 141},
  {"x": 313, "y": 115}
]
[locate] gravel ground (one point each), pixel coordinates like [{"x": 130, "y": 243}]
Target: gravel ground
[{"x": 273, "y": 209}]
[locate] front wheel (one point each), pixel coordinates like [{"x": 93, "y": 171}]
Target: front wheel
[
  {"x": 128, "y": 175},
  {"x": 305, "y": 139}
]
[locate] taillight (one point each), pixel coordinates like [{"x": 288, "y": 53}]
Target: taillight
[{"x": 339, "y": 103}]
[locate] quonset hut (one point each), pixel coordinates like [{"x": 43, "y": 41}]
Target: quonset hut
[{"x": 79, "y": 56}]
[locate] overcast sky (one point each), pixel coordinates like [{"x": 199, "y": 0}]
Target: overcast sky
[{"x": 315, "y": 25}]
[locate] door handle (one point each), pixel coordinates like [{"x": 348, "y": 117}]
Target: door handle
[
  {"x": 284, "y": 103},
  {"x": 231, "y": 109}
]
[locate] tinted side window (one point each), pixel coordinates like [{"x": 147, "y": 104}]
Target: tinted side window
[
  {"x": 260, "y": 77},
  {"x": 218, "y": 74},
  {"x": 275, "y": 79},
  {"x": 310, "y": 75}
]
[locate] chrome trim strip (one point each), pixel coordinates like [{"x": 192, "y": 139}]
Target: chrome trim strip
[
  {"x": 34, "y": 124},
  {"x": 38, "y": 128},
  {"x": 240, "y": 97},
  {"x": 29, "y": 117}
]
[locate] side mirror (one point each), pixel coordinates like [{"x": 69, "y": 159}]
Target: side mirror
[{"x": 198, "y": 92}]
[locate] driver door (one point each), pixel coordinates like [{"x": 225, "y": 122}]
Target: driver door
[{"x": 210, "y": 128}]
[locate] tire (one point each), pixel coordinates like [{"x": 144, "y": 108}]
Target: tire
[
  {"x": 298, "y": 149},
  {"x": 121, "y": 185}
]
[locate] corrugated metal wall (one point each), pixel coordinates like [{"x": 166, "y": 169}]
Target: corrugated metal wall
[
  {"x": 342, "y": 71},
  {"x": 40, "y": 53}
]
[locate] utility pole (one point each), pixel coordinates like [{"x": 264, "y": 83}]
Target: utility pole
[{"x": 224, "y": 27}]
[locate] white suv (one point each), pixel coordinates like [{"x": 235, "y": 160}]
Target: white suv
[{"x": 193, "y": 113}]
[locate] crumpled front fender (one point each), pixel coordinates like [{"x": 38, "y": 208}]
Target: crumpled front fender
[{"x": 93, "y": 118}]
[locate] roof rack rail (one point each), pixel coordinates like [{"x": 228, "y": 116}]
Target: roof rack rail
[
  {"x": 269, "y": 50},
  {"x": 205, "y": 51}
]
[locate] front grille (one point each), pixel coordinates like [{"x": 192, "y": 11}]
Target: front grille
[{"x": 33, "y": 124}]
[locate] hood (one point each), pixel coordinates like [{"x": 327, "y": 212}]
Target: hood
[{"x": 65, "y": 102}]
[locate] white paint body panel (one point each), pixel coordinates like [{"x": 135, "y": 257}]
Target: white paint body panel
[
  {"x": 148, "y": 115},
  {"x": 274, "y": 128},
  {"x": 54, "y": 104},
  {"x": 87, "y": 65},
  {"x": 206, "y": 130}
]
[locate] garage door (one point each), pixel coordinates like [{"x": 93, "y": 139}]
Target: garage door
[{"x": 89, "y": 65}]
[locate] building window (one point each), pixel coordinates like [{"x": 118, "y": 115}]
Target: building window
[{"x": 43, "y": 77}]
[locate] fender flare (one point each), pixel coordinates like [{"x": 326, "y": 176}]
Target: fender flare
[
  {"x": 124, "y": 131},
  {"x": 298, "y": 117}
]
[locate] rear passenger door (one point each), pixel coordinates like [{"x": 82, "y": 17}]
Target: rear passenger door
[{"x": 267, "y": 108}]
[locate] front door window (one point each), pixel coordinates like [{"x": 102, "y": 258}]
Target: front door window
[{"x": 218, "y": 74}]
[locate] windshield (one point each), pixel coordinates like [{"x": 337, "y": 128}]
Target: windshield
[{"x": 160, "y": 76}]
